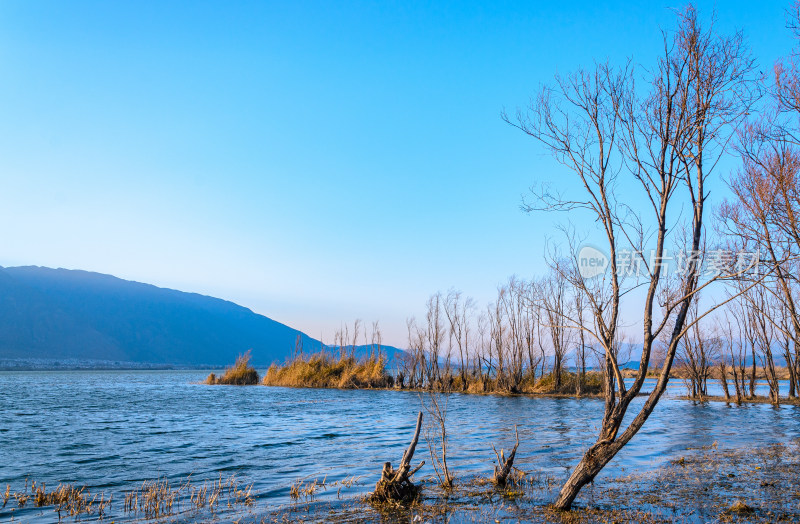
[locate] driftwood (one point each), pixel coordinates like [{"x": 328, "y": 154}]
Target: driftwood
[
  {"x": 396, "y": 485},
  {"x": 504, "y": 465}
]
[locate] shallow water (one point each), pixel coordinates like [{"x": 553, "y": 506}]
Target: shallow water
[{"x": 112, "y": 430}]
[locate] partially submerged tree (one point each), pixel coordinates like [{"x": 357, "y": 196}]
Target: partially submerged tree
[
  {"x": 395, "y": 485},
  {"x": 657, "y": 145},
  {"x": 699, "y": 350},
  {"x": 505, "y": 464}
]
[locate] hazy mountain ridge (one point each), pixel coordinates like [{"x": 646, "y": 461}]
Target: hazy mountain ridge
[{"x": 60, "y": 314}]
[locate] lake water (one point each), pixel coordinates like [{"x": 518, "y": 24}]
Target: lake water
[{"x": 112, "y": 430}]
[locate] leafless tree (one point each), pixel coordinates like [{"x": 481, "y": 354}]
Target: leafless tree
[
  {"x": 665, "y": 144},
  {"x": 436, "y": 436},
  {"x": 553, "y": 294},
  {"x": 763, "y": 307},
  {"x": 458, "y": 310},
  {"x": 698, "y": 351},
  {"x": 434, "y": 337}
]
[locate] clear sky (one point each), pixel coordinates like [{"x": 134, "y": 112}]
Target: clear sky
[{"x": 315, "y": 161}]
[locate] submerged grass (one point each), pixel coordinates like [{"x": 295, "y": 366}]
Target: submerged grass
[
  {"x": 66, "y": 499},
  {"x": 708, "y": 484},
  {"x": 321, "y": 370},
  {"x": 153, "y": 499},
  {"x": 240, "y": 374}
]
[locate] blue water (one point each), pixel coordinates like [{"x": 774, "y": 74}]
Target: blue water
[{"x": 112, "y": 430}]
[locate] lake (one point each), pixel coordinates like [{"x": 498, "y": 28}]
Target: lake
[{"x": 111, "y": 430}]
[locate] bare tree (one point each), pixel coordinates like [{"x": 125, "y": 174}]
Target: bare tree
[
  {"x": 699, "y": 350},
  {"x": 436, "y": 436},
  {"x": 458, "y": 310},
  {"x": 666, "y": 144},
  {"x": 553, "y": 294},
  {"x": 434, "y": 337}
]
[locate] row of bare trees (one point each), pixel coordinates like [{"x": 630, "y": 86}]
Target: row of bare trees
[
  {"x": 744, "y": 345},
  {"x": 515, "y": 341},
  {"x": 347, "y": 341}
]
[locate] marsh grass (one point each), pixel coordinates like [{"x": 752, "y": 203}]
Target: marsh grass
[
  {"x": 307, "y": 489},
  {"x": 709, "y": 484},
  {"x": 153, "y": 499},
  {"x": 159, "y": 498},
  {"x": 321, "y": 370},
  {"x": 240, "y": 374},
  {"x": 592, "y": 384},
  {"x": 65, "y": 499}
]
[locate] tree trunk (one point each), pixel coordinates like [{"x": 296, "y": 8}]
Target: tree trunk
[
  {"x": 396, "y": 484},
  {"x": 503, "y": 469},
  {"x": 590, "y": 465},
  {"x": 723, "y": 378}
]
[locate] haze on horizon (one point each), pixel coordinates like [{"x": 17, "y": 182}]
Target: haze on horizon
[{"x": 314, "y": 162}]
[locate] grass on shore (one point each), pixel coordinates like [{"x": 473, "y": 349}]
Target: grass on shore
[
  {"x": 592, "y": 384},
  {"x": 240, "y": 374},
  {"x": 321, "y": 370}
]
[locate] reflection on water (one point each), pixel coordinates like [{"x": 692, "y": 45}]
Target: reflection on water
[{"x": 112, "y": 430}]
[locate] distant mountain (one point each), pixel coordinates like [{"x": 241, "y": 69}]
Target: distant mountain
[{"x": 60, "y": 314}]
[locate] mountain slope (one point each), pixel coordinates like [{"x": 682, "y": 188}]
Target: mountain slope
[{"x": 57, "y": 313}]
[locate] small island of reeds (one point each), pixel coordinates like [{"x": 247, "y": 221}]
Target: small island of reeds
[
  {"x": 240, "y": 374},
  {"x": 348, "y": 371}
]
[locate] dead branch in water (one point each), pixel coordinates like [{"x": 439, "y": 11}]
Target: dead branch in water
[
  {"x": 396, "y": 485},
  {"x": 504, "y": 465}
]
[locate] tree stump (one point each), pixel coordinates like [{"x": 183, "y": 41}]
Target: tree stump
[
  {"x": 504, "y": 465},
  {"x": 396, "y": 485}
]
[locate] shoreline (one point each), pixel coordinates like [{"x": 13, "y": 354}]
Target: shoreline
[
  {"x": 782, "y": 401},
  {"x": 750, "y": 484}
]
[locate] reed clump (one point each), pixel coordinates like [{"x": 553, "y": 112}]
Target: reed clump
[
  {"x": 66, "y": 498},
  {"x": 154, "y": 499},
  {"x": 70, "y": 500},
  {"x": 321, "y": 370},
  {"x": 240, "y": 374}
]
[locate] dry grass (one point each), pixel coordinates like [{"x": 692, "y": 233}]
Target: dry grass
[
  {"x": 154, "y": 499},
  {"x": 66, "y": 499},
  {"x": 240, "y": 374},
  {"x": 592, "y": 384},
  {"x": 307, "y": 489},
  {"x": 320, "y": 370}
]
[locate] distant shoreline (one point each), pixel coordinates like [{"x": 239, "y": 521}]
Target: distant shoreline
[{"x": 94, "y": 365}]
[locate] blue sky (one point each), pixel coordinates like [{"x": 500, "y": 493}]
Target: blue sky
[{"x": 316, "y": 162}]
